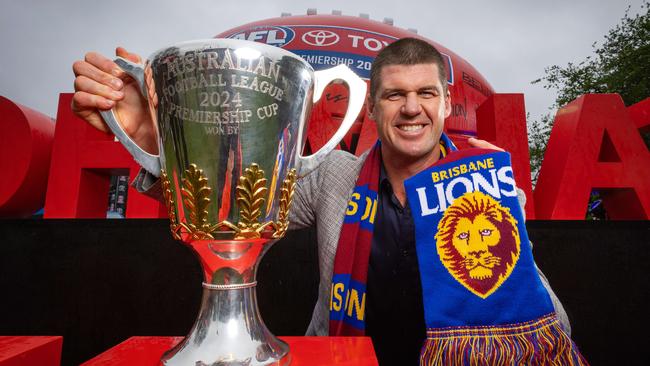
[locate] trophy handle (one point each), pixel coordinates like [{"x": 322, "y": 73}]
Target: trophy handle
[
  {"x": 149, "y": 162},
  {"x": 357, "y": 95}
]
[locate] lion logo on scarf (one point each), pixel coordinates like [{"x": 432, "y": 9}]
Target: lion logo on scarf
[{"x": 478, "y": 242}]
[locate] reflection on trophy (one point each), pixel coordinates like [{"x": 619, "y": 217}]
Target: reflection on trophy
[{"x": 231, "y": 123}]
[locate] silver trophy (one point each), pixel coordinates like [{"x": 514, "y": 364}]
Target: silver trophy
[{"x": 231, "y": 118}]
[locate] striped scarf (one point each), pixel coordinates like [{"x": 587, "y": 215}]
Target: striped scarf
[{"x": 348, "y": 291}]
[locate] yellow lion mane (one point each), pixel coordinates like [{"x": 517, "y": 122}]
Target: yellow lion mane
[{"x": 470, "y": 206}]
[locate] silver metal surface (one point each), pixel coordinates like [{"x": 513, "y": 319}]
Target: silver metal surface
[
  {"x": 223, "y": 104},
  {"x": 305, "y": 164},
  {"x": 149, "y": 162},
  {"x": 229, "y": 287},
  {"x": 229, "y": 332},
  {"x": 231, "y": 118}
]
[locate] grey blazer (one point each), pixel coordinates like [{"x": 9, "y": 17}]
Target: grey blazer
[{"x": 321, "y": 199}]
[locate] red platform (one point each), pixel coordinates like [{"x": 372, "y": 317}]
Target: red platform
[
  {"x": 21, "y": 351},
  {"x": 312, "y": 351}
]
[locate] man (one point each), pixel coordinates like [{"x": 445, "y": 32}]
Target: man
[{"x": 409, "y": 101}]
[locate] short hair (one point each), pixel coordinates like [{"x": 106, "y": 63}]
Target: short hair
[{"x": 406, "y": 51}]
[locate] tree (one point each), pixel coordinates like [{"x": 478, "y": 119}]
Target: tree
[
  {"x": 538, "y": 134},
  {"x": 620, "y": 65}
]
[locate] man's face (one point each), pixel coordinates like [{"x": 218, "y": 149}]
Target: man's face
[{"x": 410, "y": 108}]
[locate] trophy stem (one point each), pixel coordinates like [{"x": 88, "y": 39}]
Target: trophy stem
[{"x": 229, "y": 330}]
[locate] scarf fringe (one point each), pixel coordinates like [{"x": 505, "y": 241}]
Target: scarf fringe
[{"x": 539, "y": 342}]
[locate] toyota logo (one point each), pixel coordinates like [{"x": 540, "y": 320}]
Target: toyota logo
[{"x": 320, "y": 38}]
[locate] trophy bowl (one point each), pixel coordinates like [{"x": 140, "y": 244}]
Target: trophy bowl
[{"x": 231, "y": 121}]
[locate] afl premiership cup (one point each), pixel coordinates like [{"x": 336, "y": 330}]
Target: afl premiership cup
[{"x": 231, "y": 118}]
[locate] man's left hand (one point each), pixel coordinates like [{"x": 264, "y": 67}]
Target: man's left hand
[{"x": 482, "y": 144}]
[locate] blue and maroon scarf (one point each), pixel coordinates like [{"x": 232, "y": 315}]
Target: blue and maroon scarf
[
  {"x": 484, "y": 302},
  {"x": 348, "y": 291}
]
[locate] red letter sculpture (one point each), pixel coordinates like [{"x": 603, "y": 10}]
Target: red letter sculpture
[
  {"x": 25, "y": 145},
  {"x": 594, "y": 144},
  {"x": 83, "y": 160},
  {"x": 501, "y": 119}
]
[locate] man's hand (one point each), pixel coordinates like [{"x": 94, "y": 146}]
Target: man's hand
[
  {"x": 101, "y": 85},
  {"x": 482, "y": 144}
]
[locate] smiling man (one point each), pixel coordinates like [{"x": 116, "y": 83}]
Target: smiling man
[{"x": 370, "y": 281}]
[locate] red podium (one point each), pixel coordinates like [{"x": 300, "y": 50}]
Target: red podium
[
  {"x": 28, "y": 350},
  {"x": 312, "y": 351}
]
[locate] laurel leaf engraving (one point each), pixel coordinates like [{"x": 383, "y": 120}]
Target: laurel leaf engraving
[
  {"x": 286, "y": 198},
  {"x": 171, "y": 205},
  {"x": 251, "y": 194},
  {"x": 196, "y": 193}
]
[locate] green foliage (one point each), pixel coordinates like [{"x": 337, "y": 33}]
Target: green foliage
[
  {"x": 538, "y": 134},
  {"x": 620, "y": 65}
]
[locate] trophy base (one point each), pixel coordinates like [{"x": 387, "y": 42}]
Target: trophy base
[
  {"x": 187, "y": 357},
  {"x": 228, "y": 332},
  {"x": 185, "y": 360}
]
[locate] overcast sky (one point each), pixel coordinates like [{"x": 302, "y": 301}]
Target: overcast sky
[{"x": 510, "y": 42}]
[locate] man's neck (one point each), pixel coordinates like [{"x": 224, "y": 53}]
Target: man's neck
[{"x": 399, "y": 169}]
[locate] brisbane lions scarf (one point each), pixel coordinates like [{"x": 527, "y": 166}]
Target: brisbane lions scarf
[
  {"x": 484, "y": 302},
  {"x": 348, "y": 291}
]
